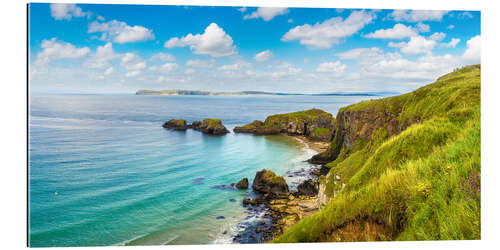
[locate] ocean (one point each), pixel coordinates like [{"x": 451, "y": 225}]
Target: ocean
[{"x": 102, "y": 171}]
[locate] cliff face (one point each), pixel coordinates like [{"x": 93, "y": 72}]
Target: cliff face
[
  {"x": 398, "y": 166},
  {"x": 315, "y": 124}
]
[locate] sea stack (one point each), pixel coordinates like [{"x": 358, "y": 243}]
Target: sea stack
[
  {"x": 211, "y": 127},
  {"x": 176, "y": 124}
]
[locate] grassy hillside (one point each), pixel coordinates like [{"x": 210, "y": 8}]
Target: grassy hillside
[{"x": 412, "y": 174}]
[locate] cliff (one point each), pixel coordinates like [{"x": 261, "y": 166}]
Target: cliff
[
  {"x": 403, "y": 168},
  {"x": 315, "y": 124}
]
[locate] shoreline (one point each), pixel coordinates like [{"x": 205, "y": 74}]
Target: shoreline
[{"x": 272, "y": 216}]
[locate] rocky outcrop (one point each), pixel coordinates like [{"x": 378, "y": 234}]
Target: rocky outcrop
[
  {"x": 257, "y": 128},
  {"x": 242, "y": 184},
  {"x": 176, "y": 124},
  {"x": 315, "y": 124},
  {"x": 356, "y": 127},
  {"x": 268, "y": 183},
  {"x": 211, "y": 127},
  {"x": 308, "y": 187}
]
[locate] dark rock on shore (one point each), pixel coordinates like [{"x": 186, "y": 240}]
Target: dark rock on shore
[
  {"x": 220, "y": 217},
  {"x": 242, "y": 184},
  {"x": 323, "y": 170},
  {"x": 308, "y": 187},
  {"x": 195, "y": 125},
  {"x": 176, "y": 124},
  {"x": 267, "y": 182},
  {"x": 210, "y": 126}
]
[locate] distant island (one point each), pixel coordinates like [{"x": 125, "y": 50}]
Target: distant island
[{"x": 201, "y": 92}]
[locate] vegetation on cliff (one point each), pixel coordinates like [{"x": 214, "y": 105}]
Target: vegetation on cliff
[
  {"x": 402, "y": 167},
  {"x": 315, "y": 124}
]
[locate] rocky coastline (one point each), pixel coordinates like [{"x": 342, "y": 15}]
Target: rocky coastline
[{"x": 270, "y": 199}]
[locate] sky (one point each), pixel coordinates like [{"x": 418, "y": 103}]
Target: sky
[{"x": 99, "y": 48}]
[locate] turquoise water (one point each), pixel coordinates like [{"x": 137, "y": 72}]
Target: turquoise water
[{"x": 102, "y": 170}]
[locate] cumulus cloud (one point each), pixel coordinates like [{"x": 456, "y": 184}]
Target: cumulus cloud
[
  {"x": 473, "y": 52},
  {"x": 200, "y": 63},
  {"x": 230, "y": 67},
  {"x": 214, "y": 42},
  {"x": 132, "y": 61},
  {"x": 375, "y": 64},
  {"x": 267, "y": 13},
  {"x": 416, "y": 45},
  {"x": 331, "y": 67},
  {"x": 63, "y": 11},
  {"x": 417, "y": 15},
  {"x": 263, "y": 56},
  {"x": 102, "y": 56},
  {"x": 167, "y": 67},
  {"x": 162, "y": 57},
  {"x": 450, "y": 27},
  {"x": 451, "y": 44},
  {"x": 120, "y": 32},
  {"x": 438, "y": 36},
  {"x": 53, "y": 50},
  {"x": 324, "y": 35},
  {"x": 422, "y": 27},
  {"x": 133, "y": 73},
  {"x": 109, "y": 71},
  {"x": 285, "y": 70},
  {"x": 399, "y": 31}
]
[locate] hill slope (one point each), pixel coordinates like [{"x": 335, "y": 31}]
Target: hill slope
[{"x": 403, "y": 168}]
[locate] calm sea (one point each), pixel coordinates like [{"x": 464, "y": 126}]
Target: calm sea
[{"x": 102, "y": 170}]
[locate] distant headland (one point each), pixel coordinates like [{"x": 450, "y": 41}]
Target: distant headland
[{"x": 201, "y": 92}]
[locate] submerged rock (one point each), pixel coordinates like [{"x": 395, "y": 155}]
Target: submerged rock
[
  {"x": 242, "y": 184},
  {"x": 176, "y": 124},
  {"x": 210, "y": 126},
  {"x": 267, "y": 182},
  {"x": 220, "y": 217}
]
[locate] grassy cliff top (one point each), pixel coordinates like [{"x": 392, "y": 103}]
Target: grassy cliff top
[
  {"x": 300, "y": 116},
  {"x": 421, "y": 184}
]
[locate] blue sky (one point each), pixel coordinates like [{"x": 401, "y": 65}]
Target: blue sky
[{"x": 88, "y": 48}]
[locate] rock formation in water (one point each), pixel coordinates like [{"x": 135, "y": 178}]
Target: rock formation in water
[
  {"x": 315, "y": 124},
  {"x": 176, "y": 124}
]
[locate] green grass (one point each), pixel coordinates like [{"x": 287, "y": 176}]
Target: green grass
[
  {"x": 300, "y": 116},
  {"x": 409, "y": 183},
  {"x": 321, "y": 131}
]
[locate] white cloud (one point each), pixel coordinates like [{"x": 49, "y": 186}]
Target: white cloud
[
  {"x": 465, "y": 14},
  {"x": 285, "y": 70},
  {"x": 376, "y": 65},
  {"x": 263, "y": 56},
  {"x": 417, "y": 15},
  {"x": 54, "y": 50},
  {"x": 162, "y": 57},
  {"x": 324, "y": 35},
  {"x": 422, "y": 27},
  {"x": 109, "y": 71},
  {"x": 132, "y": 61},
  {"x": 473, "y": 51},
  {"x": 331, "y": 67},
  {"x": 133, "y": 73},
  {"x": 189, "y": 71},
  {"x": 242, "y": 9},
  {"x": 267, "y": 13},
  {"x": 450, "y": 27},
  {"x": 231, "y": 67},
  {"x": 63, "y": 11},
  {"x": 102, "y": 56},
  {"x": 214, "y": 42},
  {"x": 373, "y": 52},
  {"x": 120, "y": 32},
  {"x": 399, "y": 31},
  {"x": 416, "y": 45},
  {"x": 438, "y": 36},
  {"x": 200, "y": 63},
  {"x": 290, "y": 20},
  {"x": 451, "y": 44},
  {"x": 167, "y": 67}
]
